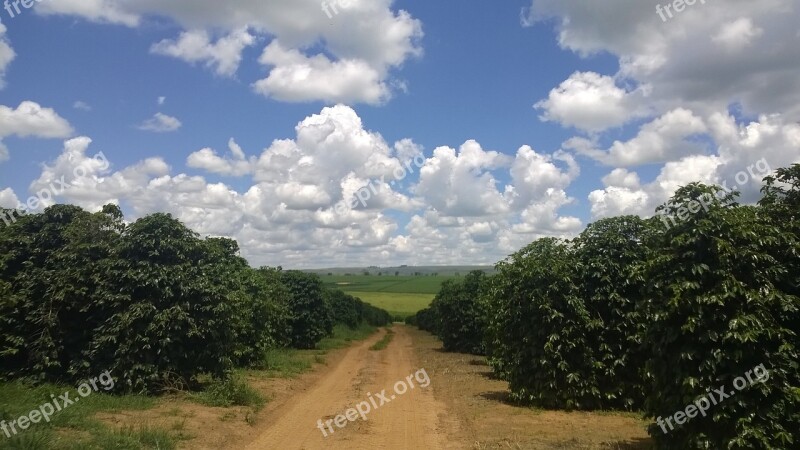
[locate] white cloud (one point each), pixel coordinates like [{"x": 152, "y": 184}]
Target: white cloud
[
  {"x": 624, "y": 195},
  {"x": 666, "y": 138},
  {"x": 679, "y": 63},
  {"x": 8, "y": 199},
  {"x": 457, "y": 207},
  {"x": 738, "y": 34},
  {"x": 161, "y": 100},
  {"x": 161, "y": 123},
  {"x": 195, "y": 46},
  {"x": 359, "y": 48},
  {"x": 234, "y": 165},
  {"x": 296, "y": 77},
  {"x": 82, "y": 106},
  {"x": 591, "y": 102},
  {"x": 7, "y": 55},
  {"x": 460, "y": 183},
  {"x": 30, "y": 119},
  {"x": 102, "y": 11}
]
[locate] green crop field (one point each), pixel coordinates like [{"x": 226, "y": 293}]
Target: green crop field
[{"x": 400, "y": 295}]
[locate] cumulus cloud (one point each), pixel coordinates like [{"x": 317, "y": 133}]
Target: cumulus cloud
[
  {"x": 677, "y": 60},
  {"x": 296, "y": 77},
  {"x": 234, "y": 165},
  {"x": 309, "y": 56},
  {"x": 161, "y": 123},
  {"x": 460, "y": 183},
  {"x": 30, "y": 119},
  {"x": 195, "y": 46},
  {"x": 692, "y": 82},
  {"x": 591, "y": 102},
  {"x": 7, "y": 55},
  {"x": 667, "y": 138},
  {"x": 8, "y": 199},
  {"x": 461, "y": 204}
]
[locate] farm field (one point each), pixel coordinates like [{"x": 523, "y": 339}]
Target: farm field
[{"x": 401, "y": 295}]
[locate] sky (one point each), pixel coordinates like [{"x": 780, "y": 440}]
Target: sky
[{"x": 379, "y": 132}]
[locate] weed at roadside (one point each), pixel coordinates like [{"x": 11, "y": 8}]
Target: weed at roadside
[{"x": 384, "y": 342}]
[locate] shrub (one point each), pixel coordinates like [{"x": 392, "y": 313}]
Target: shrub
[
  {"x": 311, "y": 316},
  {"x": 170, "y": 316},
  {"x": 610, "y": 254},
  {"x": 230, "y": 391},
  {"x": 462, "y": 314},
  {"x": 717, "y": 312},
  {"x": 537, "y": 334}
]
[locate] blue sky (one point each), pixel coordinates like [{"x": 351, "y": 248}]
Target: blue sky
[{"x": 534, "y": 117}]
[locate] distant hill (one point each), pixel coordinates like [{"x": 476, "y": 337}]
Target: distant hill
[{"x": 403, "y": 270}]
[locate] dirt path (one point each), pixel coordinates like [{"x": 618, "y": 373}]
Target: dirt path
[{"x": 408, "y": 421}]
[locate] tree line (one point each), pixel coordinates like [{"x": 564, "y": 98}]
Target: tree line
[
  {"x": 150, "y": 301},
  {"x": 632, "y": 315}
]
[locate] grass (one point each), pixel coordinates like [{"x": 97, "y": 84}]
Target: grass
[
  {"x": 387, "y": 283},
  {"x": 232, "y": 391},
  {"x": 343, "y": 336},
  {"x": 401, "y": 296},
  {"x": 286, "y": 363},
  {"x": 289, "y": 363},
  {"x": 384, "y": 342},
  {"x": 74, "y": 427},
  {"x": 398, "y": 305}
]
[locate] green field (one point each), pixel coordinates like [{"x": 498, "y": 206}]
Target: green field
[{"x": 400, "y": 295}]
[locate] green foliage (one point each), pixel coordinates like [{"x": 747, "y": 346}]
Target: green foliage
[
  {"x": 55, "y": 276},
  {"x": 425, "y": 319},
  {"x": 152, "y": 303},
  {"x": 383, "y": 342},
  {"x": 230, "y": 391},
  {"x": 261, "y": 313},
  {"x": 717, "y": 311},
  {"x": 632, "y": 315},
  {"x": 462, "y": 313},
  {"x": 17, "y": 399},
  {"x": 169, "y": 317},
  {"x": 311, "y": 316},
  {"x": 609, "y": 256},
  {"x": 285, "y": 362},
  {"x": 538, "y": 333}
]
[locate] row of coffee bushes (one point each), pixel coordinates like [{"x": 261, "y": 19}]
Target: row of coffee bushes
[
  {"x": 152, "y": 302},
  {"x": 651, "y": 315}
]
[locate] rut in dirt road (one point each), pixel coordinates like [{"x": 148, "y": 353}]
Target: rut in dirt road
[{"x": 408, "y": 421}]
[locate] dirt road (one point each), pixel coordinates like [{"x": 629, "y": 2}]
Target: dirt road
[{"x": 409, "y": 421}]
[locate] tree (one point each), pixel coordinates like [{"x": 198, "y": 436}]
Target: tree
[
  {"x": 170, "y": 316},
  {"x": 311, "y": 316},
  {"x": 462, "y": 313},
  {"x": 716, "y": 312},
  {"x": 610, "y": 253},
  {"x": 537, "y": 336}
]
